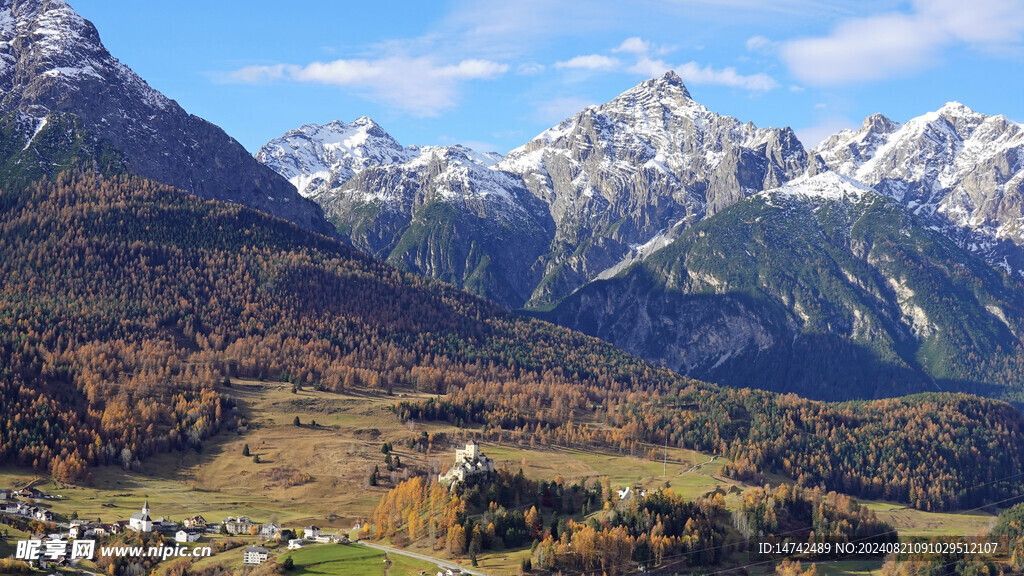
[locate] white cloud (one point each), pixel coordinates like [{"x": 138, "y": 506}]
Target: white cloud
[
  {"x": 417, "y": 85},
  {"x": 646, "y": 66},
  {"x": 895, "y": 43},
  {"x": 694, "y": 73},
  {"x": 473, "y": 69},
  {"x": 649, "y": 66},
  {"x": 530, "y": 69},
  {"x": 258, "y": 74},
  {"x": 590, "y": 62},
  {"x": 634, "y": 45},
  {"x": 759, "y": 44}
]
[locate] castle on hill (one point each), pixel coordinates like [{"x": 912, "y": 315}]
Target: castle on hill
[{"x": 469, "y": 462}]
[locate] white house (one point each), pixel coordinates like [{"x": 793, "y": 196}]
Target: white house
[
  {"x": 185, "y": 537},
  {"x": 239, "y": 525},
  {"x": 270, "y": 530},
  {"x": 141, "y": 522},
  {"x": 311, "y": 532},
  {"x": 255, "y": 555},
  {"x": 295, "y": 543}
]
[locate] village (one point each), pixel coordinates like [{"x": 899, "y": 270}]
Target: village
[
  {"x": 20, "y": 504},
  {"x": 56, "y": 534}
]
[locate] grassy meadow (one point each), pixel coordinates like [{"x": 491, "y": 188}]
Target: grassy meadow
[{"x": 317, "y": 474}]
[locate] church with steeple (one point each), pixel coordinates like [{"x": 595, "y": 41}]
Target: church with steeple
[{"x": 141, "y": 522}]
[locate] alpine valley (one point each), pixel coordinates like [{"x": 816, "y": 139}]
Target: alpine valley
[
  {"x": 885, "y": 261},
  {"x": 247, "y": 346}
]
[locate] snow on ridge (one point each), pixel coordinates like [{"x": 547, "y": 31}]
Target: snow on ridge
[
  {"x": 653, "y": 119},
  {"x": 827, "y": 185},
  {"x": 322, "y": 160},
  {"x": 314, "y": 154},
  {"x": 64, "y": 45}
]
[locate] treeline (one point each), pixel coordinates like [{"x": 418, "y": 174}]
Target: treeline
[
  {"x": 124, "y": 304},
  {"x": 507, "y": 511},
  {"x": 582, "y": 527},
  {"x": 932, "y": 451},
  {"x": 794, "y": 514}
]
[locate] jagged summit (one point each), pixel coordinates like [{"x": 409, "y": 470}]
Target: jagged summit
[
  {"x": 45, "y": 43},
  {"x": 879, "y": 124},
  {"x": 64, "y": 96},
  {"x": 656, "y": 98},
  {"x": 619, "y": 174},
  {"x": 314, "y": 155},
  {"x": 960, "y": 169},
  {"x": 668, "y": 83}
]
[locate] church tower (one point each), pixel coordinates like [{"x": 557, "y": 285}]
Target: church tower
[{"x": 141, "y": 522}]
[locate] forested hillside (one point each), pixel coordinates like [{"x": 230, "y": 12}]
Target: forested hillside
[
  {"x": 824, "y": 288},
  {"x": 125, "y": 304}
]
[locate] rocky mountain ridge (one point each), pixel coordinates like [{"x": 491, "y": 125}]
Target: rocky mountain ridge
[
  {"x": 610, "y": 179},
  {"x": 824, "y": 287},
  {"x": 62, "y": 95},
  {"x": 869, "y": 266},
  {"x": 961, "y": 171}
]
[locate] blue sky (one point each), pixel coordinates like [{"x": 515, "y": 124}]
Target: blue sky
[{"x": 491, "y": 75}]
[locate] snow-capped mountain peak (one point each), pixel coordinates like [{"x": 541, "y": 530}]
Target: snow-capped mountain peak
[
  {"x": 667, "y": 86},
  {"x": 315, "y": 155},
  {"x": 879, "y": 124},
  {"x": 455, "y": 154},
  {"x": 60, "y": 85},
  {"x": 954, "y": 108},
  {"x": 960, "y": 168},
  {"x": 46, "y": 41}
]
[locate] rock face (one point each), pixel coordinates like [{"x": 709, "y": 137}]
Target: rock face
[
  {"x": 718, "y": 249},
  {"x": 317, "y": 158},
  {"x": 961, "y": 171},
  {"x": 822, "y": 287},
  {"x": 58, "y": 83},
  {"x": 596, "y": 190},
  {"x": 651, "y": 161},
  {"x": 441, "y": 211}
]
